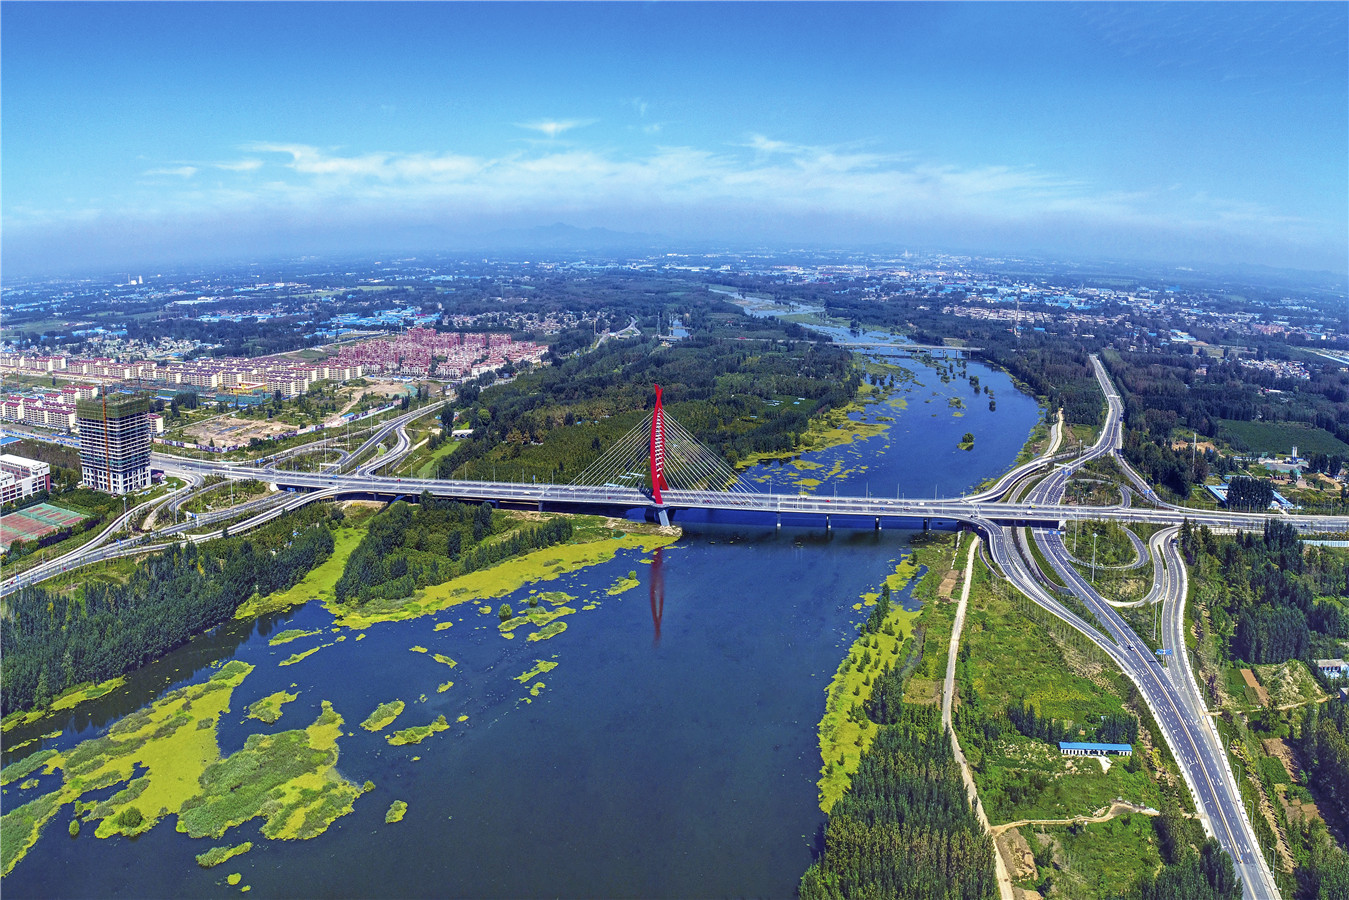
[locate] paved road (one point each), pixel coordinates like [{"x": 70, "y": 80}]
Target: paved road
[
  {"x": 1172, "y": 695},
  {"x": 105, "y": 546},
  {"x": 1175, "y": 703},
  {"x": 1031, "y": 511},
  {"x": 1050, "y": 455}
]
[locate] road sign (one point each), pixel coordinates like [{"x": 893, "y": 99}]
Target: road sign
[{"x": 1162, "y": 652}]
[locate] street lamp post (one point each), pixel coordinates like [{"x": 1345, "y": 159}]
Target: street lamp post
[{"x": 1093, "y": 557}]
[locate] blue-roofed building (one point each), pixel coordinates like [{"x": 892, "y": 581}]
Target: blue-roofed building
[{"x": 1072, "y": 748}]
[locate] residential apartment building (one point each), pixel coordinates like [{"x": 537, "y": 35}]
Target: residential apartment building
[{"x": 20, "y": 477}]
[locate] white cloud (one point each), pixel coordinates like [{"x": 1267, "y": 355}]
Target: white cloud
[
  {"x": 552, "y": 127},
  {"x": 764, "y": 145},
  {"x": 761, "y": 189},
  {"x": 242, "y": 165},
  {"x": 763, "y": 175},
  {"x": 179, "y": 171}
]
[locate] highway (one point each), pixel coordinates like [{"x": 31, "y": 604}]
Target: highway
[
  {"x": 105, "y": 547},
  {"x": 1179, "y": 710},
  {"x": 1171, "y": 693},
  {"x": 867, "y": 508}
]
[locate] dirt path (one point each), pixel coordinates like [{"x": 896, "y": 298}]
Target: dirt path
[
  {"x": 1105, "y": 814},
  {"x": 1254, "y": 684},
  {"x": 1005, "y": 891}
]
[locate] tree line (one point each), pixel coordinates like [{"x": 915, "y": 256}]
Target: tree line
[
  {"x": 905, "y": 828},
  {"x": 551, "y": 423},
  {"x": 1248, "y": 493},
  {"x": 408, "y": 547},
  {"x": 1265, "y": 588},
  {"x": 1113, "y": 728},
  {"x": 1206, "y": 875},
  {"x": 54, "y": 639},
  {"x": 1322, "y": 738}
]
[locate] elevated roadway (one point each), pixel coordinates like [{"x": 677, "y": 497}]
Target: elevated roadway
[
  {"x": 1171, "y": 693},
  {"x": 863, "y": 509}
]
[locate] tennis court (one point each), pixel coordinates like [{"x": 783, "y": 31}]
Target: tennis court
[{"x": 35, "y": 521}]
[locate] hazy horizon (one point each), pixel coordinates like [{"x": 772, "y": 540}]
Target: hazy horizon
[{"x": 168, "y": 134}]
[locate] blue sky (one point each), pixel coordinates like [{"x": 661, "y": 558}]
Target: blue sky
[{"x": 1188, "y": 133}]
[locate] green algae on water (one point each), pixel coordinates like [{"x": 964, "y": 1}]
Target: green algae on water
[
  {"x": 548, "y": 631},
  {"x": 23, "y": 826},
  {"x": 288, "y": 779},
  {"x": 162, "y": 743},
  {"x": 68, "y": 699},
  {"x": 297, "y": 657},
  {"x": 25, "y": 767},
  {"x": 383, "y": 715},
  {"x": 540, "y": 667},
  {"x": 535, "y": 616},
  {"x": 290, "y": 634},
  {"x": 417, "y": 733},
  {"x": 268, "y": 709},
  {"x": 592, "y": 546},
  {"x": 217, "y": 855}
]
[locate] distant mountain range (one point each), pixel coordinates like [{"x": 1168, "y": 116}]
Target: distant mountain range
[{"x": 569, "y": 238}]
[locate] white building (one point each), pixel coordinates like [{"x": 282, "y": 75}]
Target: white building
[{"x": 20, "y": 477}]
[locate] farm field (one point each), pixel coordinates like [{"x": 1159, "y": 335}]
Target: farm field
[{"x": 1281, "y": 437}]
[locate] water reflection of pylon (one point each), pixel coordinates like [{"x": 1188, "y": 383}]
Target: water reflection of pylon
[{"x": 657, "y": 593}]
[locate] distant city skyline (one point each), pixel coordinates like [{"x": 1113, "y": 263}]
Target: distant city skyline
[{"x": 160, "y": 134}]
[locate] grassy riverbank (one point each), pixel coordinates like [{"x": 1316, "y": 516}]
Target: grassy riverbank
[
  {"x": 833, "y": 428},
  {"x": 898, "y": 643},
  {"x": 595, "y": 540},
  {"x": 1014, "y": 654}
]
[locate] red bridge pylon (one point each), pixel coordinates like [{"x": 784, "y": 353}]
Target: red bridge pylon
[{"x": 657, "y": 457}]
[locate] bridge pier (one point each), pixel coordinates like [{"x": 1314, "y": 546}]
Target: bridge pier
[{"x": 927, "y": 524}]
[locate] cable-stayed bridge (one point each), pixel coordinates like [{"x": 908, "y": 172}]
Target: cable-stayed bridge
[
  {"x": 659, "y": 467},
  {"x": 662, "y": 470}
]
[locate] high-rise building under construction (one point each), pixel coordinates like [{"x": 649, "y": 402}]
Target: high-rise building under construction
[{"x": 115, "y": 442}]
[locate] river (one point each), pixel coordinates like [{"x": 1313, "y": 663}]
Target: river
[{"x": 671, "y": 752}]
